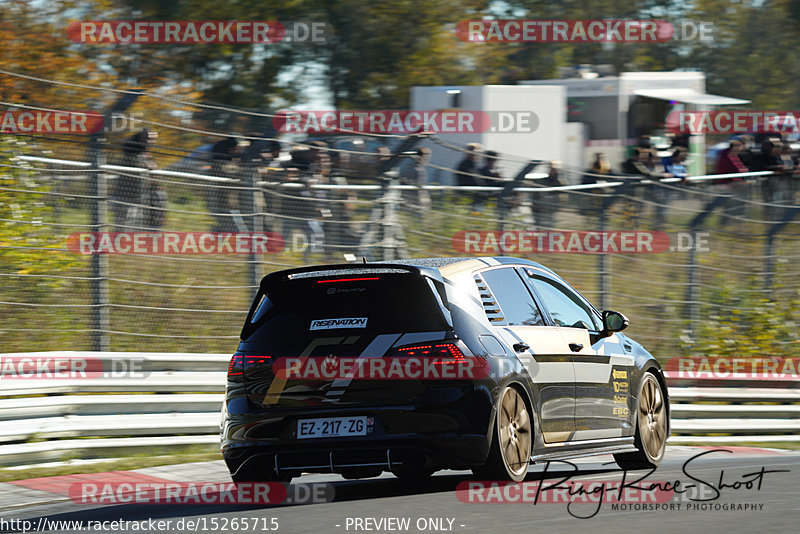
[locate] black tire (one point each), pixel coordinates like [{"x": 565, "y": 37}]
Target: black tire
[
  {"x": 512, "y": 440},
  {"x": 651, "y": 427}
]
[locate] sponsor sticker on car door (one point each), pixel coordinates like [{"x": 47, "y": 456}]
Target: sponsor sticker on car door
[{"x": 346, "y": 322}]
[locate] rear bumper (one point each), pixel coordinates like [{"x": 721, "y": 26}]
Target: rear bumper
[
  {"x": 451, "y": 433},
  {"x": 336, "y": 456}
]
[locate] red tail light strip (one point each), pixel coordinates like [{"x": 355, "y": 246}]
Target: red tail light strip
[{"x": 347, "y": 280}]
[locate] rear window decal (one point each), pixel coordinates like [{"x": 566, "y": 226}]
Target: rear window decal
[{"x": 347, "y": 322}]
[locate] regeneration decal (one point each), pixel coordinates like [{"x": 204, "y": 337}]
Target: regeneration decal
[{"x": 328, "y": 324}]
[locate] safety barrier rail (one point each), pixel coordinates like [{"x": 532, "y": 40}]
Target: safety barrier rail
[{"x": 176, "y": 402}]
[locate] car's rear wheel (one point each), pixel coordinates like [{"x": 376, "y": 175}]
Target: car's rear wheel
[
  {"x": 651, "y": 428},
  {"x": 510, "y": 452}
]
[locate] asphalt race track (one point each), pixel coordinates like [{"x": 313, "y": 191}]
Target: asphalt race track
[{"x": 746, "y": 499}]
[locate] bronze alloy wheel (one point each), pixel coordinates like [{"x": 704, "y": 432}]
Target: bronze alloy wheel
[
  {"x": 514, "y": 428},
  {"x": 510, "y": 453},
  {"x": 651, "y": 427},
  {"x": 652, "y": 418}
]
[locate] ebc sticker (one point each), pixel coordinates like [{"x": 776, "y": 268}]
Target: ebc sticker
[{"x": 347, "y": 322}]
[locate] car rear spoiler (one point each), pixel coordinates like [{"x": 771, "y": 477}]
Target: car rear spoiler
[{"x": 432, "y": 276}]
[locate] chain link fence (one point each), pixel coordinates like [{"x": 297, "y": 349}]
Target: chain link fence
[{"x": 700, "y": 265}]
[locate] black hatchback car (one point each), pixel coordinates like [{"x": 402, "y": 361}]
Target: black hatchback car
[{"x": 486, "y": 364}]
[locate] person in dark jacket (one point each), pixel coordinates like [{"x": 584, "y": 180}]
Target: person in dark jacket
[
  {"x": 219, "y": 196},
  {"x": 468, "y": 167},
  {"x": 128, "y": 192},
  {"x": 466, "y": 174}
]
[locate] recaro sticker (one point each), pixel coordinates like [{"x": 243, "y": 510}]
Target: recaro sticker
[{"x": 348, "y": 322}]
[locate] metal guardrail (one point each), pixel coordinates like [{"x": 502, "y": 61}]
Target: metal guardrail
[{"x": 178, "y": 404}]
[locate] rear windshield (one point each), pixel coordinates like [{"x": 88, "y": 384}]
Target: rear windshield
[{"x": 366, "y": 303}]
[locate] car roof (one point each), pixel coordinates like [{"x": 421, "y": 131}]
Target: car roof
[{"x": 450, "y": 263}]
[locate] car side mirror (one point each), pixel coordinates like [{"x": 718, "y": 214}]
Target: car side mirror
[{"x": 613, "y": 322}]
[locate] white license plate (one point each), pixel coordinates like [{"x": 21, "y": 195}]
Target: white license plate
[{"x": 334, "y": 427}]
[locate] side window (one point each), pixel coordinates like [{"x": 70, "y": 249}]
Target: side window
[
  {"x": 565, "y": 307},
  {"x": 516, "y": 302}
]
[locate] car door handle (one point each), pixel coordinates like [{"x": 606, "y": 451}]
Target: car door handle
[
  {"x": 521, "y": 347},
  {"x": 576, "y": 347}
]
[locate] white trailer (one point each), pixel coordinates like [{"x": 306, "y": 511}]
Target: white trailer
[{"x": 517, "y": 140}]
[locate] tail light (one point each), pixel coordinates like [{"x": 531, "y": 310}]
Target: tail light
[
  {"x": 239, "y": 362},
  {"x": 236, "y": 366},
  {"x": 451, "y": 357},
  {"x": 445, "y": 353}
]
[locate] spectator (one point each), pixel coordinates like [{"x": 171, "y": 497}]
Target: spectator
[
  {"x": 416, "y": 173},
  {"x": 545, "y": 205},
  {"x": 769, "y": 159},
  {"x": 219, "y": 197},
  {"x": 729, "y": 162},
  {"x": 650, "y": 162},
  {"x": 304, "y": 209},
  {"x": 675, "y": 163},
  {"x": 746, "y": 153},
  {"x": 601, "y": 165},
  {"x": 488, "y": 169},
  {"x": 785, "y": 192},
  {"x": 466, "y": 174},
  {"x": 642, "y": 164},
  {"x": 468, "y": 167},
  {"x": 128, "y": 190},
  {"x": 268, "y": 172},
  {"x": 637, "y": 164},
  {"x": 307, "y": 160}
]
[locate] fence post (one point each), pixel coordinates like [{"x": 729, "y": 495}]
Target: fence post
[
  {"x": 692, "y": 310},
  {"x": 505, "y": 197},
  {"x": 98, "y": 190},
  {"x": 601, "y": 263},
  {"x": 255, "y": 225},
  {"x": 389, "y": 222},
  {"x": 604, "y": 285},
  {"x": 98, "y": 212}
]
